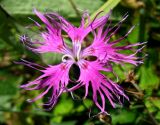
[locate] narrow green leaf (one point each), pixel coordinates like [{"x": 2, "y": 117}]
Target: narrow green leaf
[{"x": 106, "y": 7}]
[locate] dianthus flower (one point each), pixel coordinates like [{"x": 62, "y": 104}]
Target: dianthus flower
[{"x": 55, "y": 78}]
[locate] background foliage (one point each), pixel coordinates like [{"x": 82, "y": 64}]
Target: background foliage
[{"x": 141, "y": 84}]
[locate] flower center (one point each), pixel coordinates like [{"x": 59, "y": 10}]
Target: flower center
[{"x": 75, "y": 55}]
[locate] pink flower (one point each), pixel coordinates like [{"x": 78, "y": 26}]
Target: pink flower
[{"x": 56, "y": 78}]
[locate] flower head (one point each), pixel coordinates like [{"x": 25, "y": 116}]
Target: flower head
[{"x": 56, "y": 78}]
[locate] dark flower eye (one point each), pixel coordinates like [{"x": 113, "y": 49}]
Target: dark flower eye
[
  {"x": 91, "y": 58},
  {"x": 74, "y": 72}
]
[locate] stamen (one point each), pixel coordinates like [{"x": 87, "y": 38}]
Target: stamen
[
  {"x": 76, "y": 50},
  {"x": 67, "y": 56}
]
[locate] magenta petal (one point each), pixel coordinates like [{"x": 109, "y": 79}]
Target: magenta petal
[
  {"x": 101, "y": 87},
  {"x": 52, "y": 40},
  {"x": 107, "y": 51},
  {"x": 55, "y": 77}
]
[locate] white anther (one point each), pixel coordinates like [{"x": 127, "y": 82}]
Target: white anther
[{"x": 67, "y": 55}]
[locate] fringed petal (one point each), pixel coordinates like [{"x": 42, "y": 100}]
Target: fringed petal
[
  {"x": 54, "y": 78},
  {"x": 107, "y": 51},
  {"x": 101, "y": 86}
]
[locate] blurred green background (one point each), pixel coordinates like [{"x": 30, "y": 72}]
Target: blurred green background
[{"x": 141, "y": 83}]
